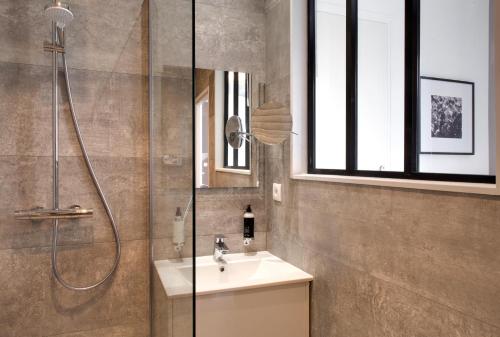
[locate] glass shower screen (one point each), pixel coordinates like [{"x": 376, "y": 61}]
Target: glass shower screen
[{"x": 171, "y": 167}]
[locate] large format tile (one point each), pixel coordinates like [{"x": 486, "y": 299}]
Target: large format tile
[
  {"x": 277, "y": 41},
  {"x": 111, "y": 109},
  {"x": 28, "y": 182},
  {"x": 124, "y": 300},
  {"x": 171, "y": 29},
  {"x": 449, "y": 252},
  {"x": 230, "y": 39},
  {"x": 36, "y": 305},
  {"x": 257, "y": 6},
  {"x": 161, "y": 319},
  {"x": 125, "y": 186},
  {"x": 24, "y": 280},
  {"x": 348, "y": 302},
  {"x": 224, "y": 215},
  {"x": 173, "y": 115},
  {"x": 96, "y": 39},
  {"x": 25, "y": 110},
  {"x": 25, "y": 182}
]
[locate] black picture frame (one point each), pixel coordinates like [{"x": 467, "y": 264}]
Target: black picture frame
[{"x": 418, "y": 130}]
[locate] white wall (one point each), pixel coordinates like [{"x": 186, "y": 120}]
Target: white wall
[
  {"x": 330, "y": 84},
  {"x": 455, "y": 44},
  {"x": 381, "y": 67}
]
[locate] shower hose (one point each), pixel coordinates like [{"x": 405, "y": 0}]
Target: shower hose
[{"x": 99, "y": 191}]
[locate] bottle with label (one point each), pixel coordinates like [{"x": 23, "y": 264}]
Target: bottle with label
[{"x": 248, "y": 226}]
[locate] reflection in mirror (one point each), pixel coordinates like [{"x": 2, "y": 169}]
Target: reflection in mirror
[{"x": 224, "y": 99}]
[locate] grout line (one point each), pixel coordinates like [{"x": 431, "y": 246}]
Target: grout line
[
  {"x": 74, "y": 245},
  {"x": 206, "y": 235},
  {"x": 236, "y": 9},
  {"x": 97, "y": 329},
  {"x": 73, "y": 156},
  {"x": 112, "y": 71}
]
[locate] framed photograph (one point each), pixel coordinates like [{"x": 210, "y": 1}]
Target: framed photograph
[{"x": 446, "y": 118}]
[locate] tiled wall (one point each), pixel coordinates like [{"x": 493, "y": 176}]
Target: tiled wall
[
  {"x": 386, "y": 262},
  {"x": 230, "y": 35},
  {"x": 107, "y": 55}
]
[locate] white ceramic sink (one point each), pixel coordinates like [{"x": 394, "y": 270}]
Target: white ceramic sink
[{"x": 242, "y": 271}]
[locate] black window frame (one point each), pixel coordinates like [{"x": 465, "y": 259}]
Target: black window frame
[
  {"x": 411, "y": 99},
  {"x": 236, "y": 112}
]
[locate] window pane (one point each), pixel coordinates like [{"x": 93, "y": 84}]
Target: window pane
[
  {"x": 456, "y": 118},
  {"x": 381, "y": 75},
  {"x": 230, "y": 112},
  {"x": 330, "y": 84},
  {"x": 242, "y": 105}
]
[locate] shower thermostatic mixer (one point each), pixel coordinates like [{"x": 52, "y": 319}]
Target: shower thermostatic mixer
[{"x": 60, "y": 16}]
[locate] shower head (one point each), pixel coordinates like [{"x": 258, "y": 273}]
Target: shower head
[{"x": 59, "y": 13}]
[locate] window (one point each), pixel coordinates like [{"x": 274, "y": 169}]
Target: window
[
  {"x": 237, "y": 103},
  {"x": 202, "y": 141},
  {"x": 401, "y": 89}
]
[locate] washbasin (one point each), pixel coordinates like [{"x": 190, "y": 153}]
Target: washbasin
[{"x": 242, "y": 271}]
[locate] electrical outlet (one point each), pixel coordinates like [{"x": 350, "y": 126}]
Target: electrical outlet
[{"x": 277, "y": 192}]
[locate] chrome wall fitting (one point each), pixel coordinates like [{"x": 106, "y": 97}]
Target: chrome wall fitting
[
  {"x": 60, "y": 16},
  {"x": 40, "y": 213}
]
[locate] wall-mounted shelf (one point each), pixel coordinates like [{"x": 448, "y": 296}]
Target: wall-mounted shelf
[{"x": 39, "y": 213}]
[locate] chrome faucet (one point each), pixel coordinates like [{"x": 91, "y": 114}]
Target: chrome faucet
[{"x": 220, "y": 249}]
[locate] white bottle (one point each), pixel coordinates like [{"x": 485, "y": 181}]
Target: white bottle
[{"x": 178, "y": 230}]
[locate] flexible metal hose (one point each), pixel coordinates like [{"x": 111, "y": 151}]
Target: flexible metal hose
[{"x": 99, "y": 191}]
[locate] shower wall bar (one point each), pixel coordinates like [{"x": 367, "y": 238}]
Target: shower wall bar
[{"x": 61, "y": 15}]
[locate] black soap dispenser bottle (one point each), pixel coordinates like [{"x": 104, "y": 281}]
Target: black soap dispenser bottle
[{"x": 248, "y": 226}]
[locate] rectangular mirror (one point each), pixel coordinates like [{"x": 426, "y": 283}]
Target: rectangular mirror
[{"x": 220, "y": 95}]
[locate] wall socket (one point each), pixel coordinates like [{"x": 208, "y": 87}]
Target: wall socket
[{"x": 277, "y": 192}]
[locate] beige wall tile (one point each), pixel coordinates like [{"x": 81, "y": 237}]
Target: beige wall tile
[
  {"x": 111, "y": 109},
  {"x": 125, "y": 185},
  {"x": 24, "y": 183},
  {"x": 141, "y": 330},
  {"x": 107, "y": 54},
  {"x": 35, "y": 305},
  {"x": 28, "y": 182},
  {"x": 22, "y": 298},
  {"x": 349, "y": 302},
  {"x": 93, "y": 43},
  {"x": 230, "y": 39}
]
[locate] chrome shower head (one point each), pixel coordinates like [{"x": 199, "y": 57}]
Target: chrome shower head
[{"x": 59, "y": 13}]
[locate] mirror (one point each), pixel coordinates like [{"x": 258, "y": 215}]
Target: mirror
[{"x": 224, "y": 103}]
